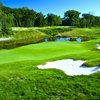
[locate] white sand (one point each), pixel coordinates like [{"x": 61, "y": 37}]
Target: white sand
[
  {"x": 98, "y": 46},
  {"x": 3, "y": 39},
  {"x": 70, "y": 67}
]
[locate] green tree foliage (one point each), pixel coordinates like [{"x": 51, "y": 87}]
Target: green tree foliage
[
  {"x": 6, "y": 21},
  {"x": 25, "y": 17},
  {"x": 0, "y": 19},
  {"x": 6, "y": 24},
  {"x": 97, "y": 21},
  {"x": 72, "y": 16},
  {"x": 90, "y": 19},
  {"x": 40, "y": 20},
  {"x": 53, "y": 20},
  {"x": 83, "y": 22}
]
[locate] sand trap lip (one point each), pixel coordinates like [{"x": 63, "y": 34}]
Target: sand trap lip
[
  {"x": 4, "y": 39},
  {"x": 98, "y": 46},
  {"x": 70, "y": 67}
]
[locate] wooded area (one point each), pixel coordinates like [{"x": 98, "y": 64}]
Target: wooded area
[{"x": 25, "y": 17}]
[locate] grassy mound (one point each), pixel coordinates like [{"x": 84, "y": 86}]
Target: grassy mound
[
  {"x": 84, "y": 33},
  {"x": 20, "y": 38}
]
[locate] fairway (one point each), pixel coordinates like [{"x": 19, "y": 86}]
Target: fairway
[{"x": 42, "y": 51}]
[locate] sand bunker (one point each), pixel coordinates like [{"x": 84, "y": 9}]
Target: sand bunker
[
  {"x": 70, "y": 67},
  {"x": 98, "y": 46}
]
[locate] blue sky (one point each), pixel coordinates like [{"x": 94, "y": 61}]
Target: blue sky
[{"x": 56, "y": 6}]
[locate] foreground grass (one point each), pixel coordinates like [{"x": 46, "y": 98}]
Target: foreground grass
[{"x": 24, "y": 81}]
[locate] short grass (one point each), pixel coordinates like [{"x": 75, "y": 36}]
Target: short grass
[
  {"x": 43, "y": 51},
  {"x": 52, "y": 51}
]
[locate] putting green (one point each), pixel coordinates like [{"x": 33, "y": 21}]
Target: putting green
[{"x": 43, "y": 51}]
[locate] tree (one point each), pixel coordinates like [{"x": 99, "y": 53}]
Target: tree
[
  {"x": 6, "y": 21},
  {"x": 97, "y": 21},
  {"x": 0, "y": 22},
  {"x": 40, "y": 20},
  {"x": 90, "y": 19},
  {"x": 72, "y": 16},
  {"x": 24, "y": 17},
  {"x": 53, "y": 20},
  {"x": 83, "y": 22}
]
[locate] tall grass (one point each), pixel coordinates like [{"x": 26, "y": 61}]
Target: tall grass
[
  {"x": 84, "y": 33},
  {"x": 24, "y": 36},
  {"x": 51, "y": 32},
  {"x": 21, "y": 38}
]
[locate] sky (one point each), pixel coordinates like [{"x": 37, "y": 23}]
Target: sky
[{"x": 57, "y": 6}]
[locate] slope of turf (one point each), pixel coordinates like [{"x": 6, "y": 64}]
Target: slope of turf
[
  {"x": 53, "y": 51},
  {"x": 42, "y": 51}
]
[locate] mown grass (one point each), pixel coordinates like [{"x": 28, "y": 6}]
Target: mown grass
[
  {"x": 52, "y": 51},
  {"x": 42, "y": 51}
]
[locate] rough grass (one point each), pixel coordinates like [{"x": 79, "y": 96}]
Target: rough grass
[
  {"x": 23, "y": 37},
  {"x": 23, "y": 81},
  {"x": 84, "y": 33},
  {"x": 54, "y": 31}
]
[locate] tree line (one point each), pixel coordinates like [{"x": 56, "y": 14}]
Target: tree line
[
  {"x": 72, "y": 18},
  {"x": 6, "y": 21},
  {"x": 25, "y": 17}
]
